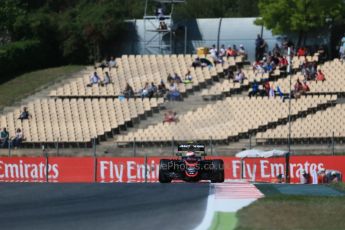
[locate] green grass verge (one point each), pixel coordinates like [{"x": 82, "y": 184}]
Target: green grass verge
[
  {"x": 338, "y": 186},
  {"x": 223, "y": 221},
  {"x": 268, "y": 189},
  {"x": 293, "y": 212},
  {"x": 29, "y": 83}
]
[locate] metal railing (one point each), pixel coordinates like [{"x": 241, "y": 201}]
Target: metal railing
[{"x": 135, "y": 148}]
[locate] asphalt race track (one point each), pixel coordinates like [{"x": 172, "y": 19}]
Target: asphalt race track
[{"x": 102, "y": 206}]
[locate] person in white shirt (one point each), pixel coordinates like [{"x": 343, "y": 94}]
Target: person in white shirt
[
  {"x": 112, "y": 62},
  {"x": 213, "y": 51},
  {"x": 94, "y": 79},
  {"x": 18, "y": 138},
  {"x": 239, "y": 76},
  {"x": 222, "y": 52},
  {"x": 106, "y": 80}
]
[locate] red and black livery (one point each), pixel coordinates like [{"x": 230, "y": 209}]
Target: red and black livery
[{"x": 192, "y": 166}]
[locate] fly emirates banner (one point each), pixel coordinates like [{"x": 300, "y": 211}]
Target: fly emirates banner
[{"x": 130, "y": 169}]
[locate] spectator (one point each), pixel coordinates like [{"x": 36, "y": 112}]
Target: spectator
[
  {"x": 333, "y": 178},
  {"x": 320, "y": 76},
  {"x": 24, "y": 115},
  {"x": 170, "y": 116},
  {"x": 177, "y": 78},
  {"x": 231, "y": 52},
  {"x": 255, "y": 89},
  {"x": 144, "y": 92},
  {"x": 173, "y": 93},
  {"x": 305, "y": 87},
  {"x": 283, "y": 63},
  {"x": 106, "y": 79},
  {"x": 342, "y": 50},
  {"x": 276, "y": 49},
  {"x": 242, "y": 52},
  {"x": 322, "y": 179},
  {"x": 196, "y": 63},
  {"x": 4, "y": 136},
  {"x": 152, "y": 90},
  {"x": 170, "y": 78},
  {"x": 222, "y": 52},
  {"x": 112, "y": 63},
  {"x": 267, "y": 66},
  {"x": 214, "y": 52},
  {"x": 18, "y": 138},
  {"x": 239, "y": 76},
  {"x": 322, "y": 54},
  {"x": 94, "y": 80},
  {"x": 267, "y": 88},
  {"x": 230, "y": 74},
  {"x": 188, "y": 78},
  {"x": 128, "y": 92},
  {"x": 234, "y": 48},
  {"x": 104, "y": 64},
  {"x": 160, "y": 13},
  {"x": 302, "y": 52},
  {"x": 259, "y": 50},
  {"x": 258, "y": 68},
  {"x": 162, "y": 25},
  {"x": 298, "y": 89},
  {"x": 161, "y": 89},
  {"x": 304, "y": 177},
  {"x": 271, "y": 92}
]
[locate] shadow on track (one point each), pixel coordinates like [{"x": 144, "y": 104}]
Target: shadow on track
[{"x": 102, "y": 206}]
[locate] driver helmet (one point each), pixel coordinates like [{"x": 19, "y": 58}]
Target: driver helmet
[{"x": 190, "y": 154}]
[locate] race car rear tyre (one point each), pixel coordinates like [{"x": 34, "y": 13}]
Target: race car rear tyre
[
  {"x": 218, "y": 171},
  {"x": 163, "y": 171}
]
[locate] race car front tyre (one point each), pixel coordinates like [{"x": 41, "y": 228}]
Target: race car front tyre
[
  {"x": 218, "y": 171},
  {"x": 163, "y": 172}
]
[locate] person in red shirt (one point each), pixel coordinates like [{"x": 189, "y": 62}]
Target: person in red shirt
[
  {"x": 231, "y": 52},
  {"x": 320, "y": 76},
  {"x": 305, "y": 87},
  {"x": 283, "y": 63},
  {"x": 301, "y": 52}
]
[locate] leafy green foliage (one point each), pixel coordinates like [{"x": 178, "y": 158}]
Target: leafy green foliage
[
  {"x": 76, "y": 31},
  {"x": 22, "y": 56},
  {"x": 9, "y": 11},
  {"x": 283, "y": 16}
]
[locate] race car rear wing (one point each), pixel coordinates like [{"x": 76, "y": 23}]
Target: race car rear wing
[{"x": 191, "y": 147}]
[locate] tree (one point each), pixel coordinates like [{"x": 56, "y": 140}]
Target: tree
[
  {"x": 301, "y": 16},
  {"x": 9, "y": 11}
]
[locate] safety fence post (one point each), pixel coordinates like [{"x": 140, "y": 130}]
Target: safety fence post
[
  {"x": 9, "y": 148},
  {"x": 94, "y": 145},
  {"x": 145, "y": 164},
  {"x": 134, "y": 147},
  {"x": 95, "y": 164},
  {"x": 172, "y": 146},
  {"x": 45, "y": 154},
  {"x": 333, "y": 143},
  {"x": 211, "y": 145},
  {"x": 95, "y": 169},
  {"x": 57, "y": 147}
]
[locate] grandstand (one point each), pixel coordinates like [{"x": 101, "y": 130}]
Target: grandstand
[
  {"x": 321, "y": 127},
  {"x": 75, "y": 115}
]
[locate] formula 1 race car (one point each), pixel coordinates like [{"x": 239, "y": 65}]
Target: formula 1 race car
[{"x": 191, "y": 167}]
